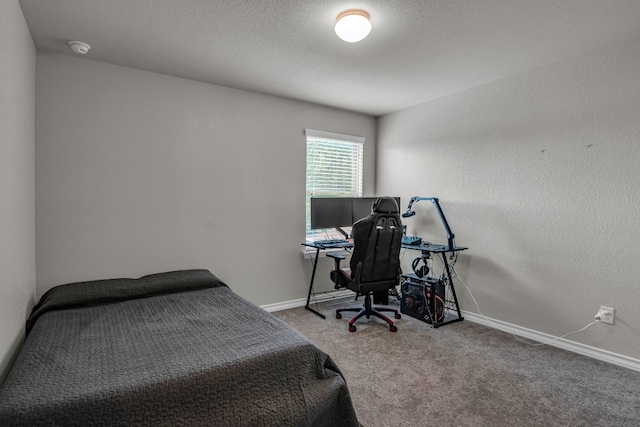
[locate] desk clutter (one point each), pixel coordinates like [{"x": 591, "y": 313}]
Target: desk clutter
[{"x": 411, "y": 240}]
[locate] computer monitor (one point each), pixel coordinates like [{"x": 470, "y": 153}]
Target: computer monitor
[
  {"x": 331, "y": 212},
  {"x": 361, "y": 207}
]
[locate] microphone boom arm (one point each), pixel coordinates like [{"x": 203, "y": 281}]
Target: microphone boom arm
[{"x": 436, "y": 203}]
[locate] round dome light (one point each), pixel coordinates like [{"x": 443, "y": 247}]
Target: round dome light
[{"x": 353, "y": 25}]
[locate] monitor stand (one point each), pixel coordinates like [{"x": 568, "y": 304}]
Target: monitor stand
[{"x": 341, "y": 231}]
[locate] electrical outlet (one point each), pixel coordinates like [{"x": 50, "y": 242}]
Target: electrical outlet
[{"x": 606, "y": 315}]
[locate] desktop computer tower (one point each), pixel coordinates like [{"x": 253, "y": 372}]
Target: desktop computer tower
[{"x": 423, "y": 298}]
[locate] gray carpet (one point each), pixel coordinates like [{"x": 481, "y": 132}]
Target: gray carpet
[{"x": 465, "y": 374}]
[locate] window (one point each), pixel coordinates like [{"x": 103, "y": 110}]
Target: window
[{"x": 334, "y": 168}]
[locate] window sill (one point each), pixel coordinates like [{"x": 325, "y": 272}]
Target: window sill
[{"x": 310, "y": 253}]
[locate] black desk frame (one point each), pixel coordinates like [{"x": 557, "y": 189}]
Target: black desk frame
[
  {"x": 318, "y": 247},
  {"x": 442, "y": 250},
  {"x": 425, "y": 248}
]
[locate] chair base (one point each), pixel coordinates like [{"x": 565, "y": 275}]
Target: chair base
[{"x": 369, "y": 311}]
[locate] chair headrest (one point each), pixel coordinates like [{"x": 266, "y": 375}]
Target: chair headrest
[{"x": 385, "y": 205}]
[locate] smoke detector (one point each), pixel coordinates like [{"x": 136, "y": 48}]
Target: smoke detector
[{"x": 79, "y": 47}]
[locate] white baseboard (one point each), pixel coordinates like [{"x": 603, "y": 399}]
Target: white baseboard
[
  {"x": 303, "y": 301},
  {"x": 284, "y": 305},
  {"x": 582, "y": 349}
]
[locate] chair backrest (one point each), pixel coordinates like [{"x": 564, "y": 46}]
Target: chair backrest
[{"x": 377, "y": 239}]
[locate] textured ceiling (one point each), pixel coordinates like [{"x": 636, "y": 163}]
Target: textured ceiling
[{"x": 418, "y": 50}]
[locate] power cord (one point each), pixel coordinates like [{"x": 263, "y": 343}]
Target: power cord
[{"x": 522, "y": 340}]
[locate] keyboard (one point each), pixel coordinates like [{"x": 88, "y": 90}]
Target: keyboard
[
  {"x": 330, "y": 242},
  {"x": 411, "y": 240}
]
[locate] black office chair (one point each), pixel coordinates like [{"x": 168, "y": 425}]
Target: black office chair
[{"x": 375, "y": 261}]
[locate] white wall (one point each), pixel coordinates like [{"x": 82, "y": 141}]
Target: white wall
[
  {"x": 140, "y": 172},
  {"x": 17, "y": 211},
  {"x": 538, "y": 175}
]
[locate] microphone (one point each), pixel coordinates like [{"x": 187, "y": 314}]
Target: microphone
[{"x": 407, "y": 214}]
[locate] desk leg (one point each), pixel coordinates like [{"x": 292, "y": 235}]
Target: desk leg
[
  {"x": 447, "y": 268},
  {"x": 313, "y": 275}
]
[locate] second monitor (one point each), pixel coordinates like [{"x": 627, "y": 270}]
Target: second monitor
[{"x": 336, "y": 212}]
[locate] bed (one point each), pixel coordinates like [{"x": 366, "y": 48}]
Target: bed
[{"x": 176, "y": 348}]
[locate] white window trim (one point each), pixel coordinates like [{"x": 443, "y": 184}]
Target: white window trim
[{"x": 330, "y": 135}]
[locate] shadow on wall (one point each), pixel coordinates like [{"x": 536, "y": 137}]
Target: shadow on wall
[
  {"x": 516, "y": 266},
  {"x": 13, "y": 351}
]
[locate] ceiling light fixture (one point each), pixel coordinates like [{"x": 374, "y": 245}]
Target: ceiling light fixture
[
  {"x": 79, "y": 47},
  {"x": 353, "y": 25}
]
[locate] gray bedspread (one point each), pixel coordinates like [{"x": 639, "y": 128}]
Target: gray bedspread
[{"x": 168, "y": 355}]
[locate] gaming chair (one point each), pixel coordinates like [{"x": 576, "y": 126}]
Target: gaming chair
[{"x": 375, "y": 261}]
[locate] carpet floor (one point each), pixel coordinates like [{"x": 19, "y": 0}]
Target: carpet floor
[{"x": 466, "y": 374}]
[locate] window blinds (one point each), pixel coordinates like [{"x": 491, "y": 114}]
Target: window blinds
[{"x": 334, "y": 166}]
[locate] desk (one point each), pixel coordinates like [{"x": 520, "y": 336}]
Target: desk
[
  {"x": 318, "y": 247},
  {"x": 450, "y": 304},
  {"x": 425, "y": 248}
]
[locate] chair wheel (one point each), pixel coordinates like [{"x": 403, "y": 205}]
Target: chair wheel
[
  {"x": 397, "y": 316},
  {"x": 338, "y": 316},
  {"x": 352, "y": 328},
  {"x": 393, "y": 328}
]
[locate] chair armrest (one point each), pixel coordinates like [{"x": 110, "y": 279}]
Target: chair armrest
[{"x": 337, "y": 257}]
